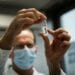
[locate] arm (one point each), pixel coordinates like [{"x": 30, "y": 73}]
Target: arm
[
  {"x": 7, "y": 39},
  {"x": 56, "y": 49},
  {"x": 54, "y": 69}
]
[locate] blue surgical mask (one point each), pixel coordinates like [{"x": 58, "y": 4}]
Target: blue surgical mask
[{"x": 24, "y": 58}]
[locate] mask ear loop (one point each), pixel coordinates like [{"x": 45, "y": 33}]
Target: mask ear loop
[{"x": 11, "y": 54}]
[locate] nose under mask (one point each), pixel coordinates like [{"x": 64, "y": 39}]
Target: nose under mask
[{"x": 24, "y": 58}]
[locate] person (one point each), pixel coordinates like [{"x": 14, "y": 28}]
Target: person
[{"x": 21, "y": 43}]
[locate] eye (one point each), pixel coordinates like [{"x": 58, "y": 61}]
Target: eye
[
  {"x": 20, "y": 46},
  {"x": 30, "y": 45}
]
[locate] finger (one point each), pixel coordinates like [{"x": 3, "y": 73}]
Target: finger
[
  {"x": 59, "y": 31},
  {"x": 23, "y": 23},
  {"x": 46, "y": 40},
  {"x": 28, "y": 10},
  {"x": 64, "y": 46},
  {"x": 50, "y": 31},
  {"x": 21, "y": 11},
  {"x": 41, "y": 15},
  {"x": 36, "y": 13},
  {"x": 25, "y": 20},
  {"x": 56, "y": 43},
  {"x": 64, "y": 36},
  {"x": 11, "y": 55},
  {"x": 28, "y": 14}
]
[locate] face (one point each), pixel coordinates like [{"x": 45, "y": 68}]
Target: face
[{"x": 26, "y": 37}]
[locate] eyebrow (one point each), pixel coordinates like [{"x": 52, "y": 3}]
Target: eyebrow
[{"x": 25, "y": 43}]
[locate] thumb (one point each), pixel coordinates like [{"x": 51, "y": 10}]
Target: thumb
[
  {"x": 50, "y": 31},
  {"x": 46, "y": 40}
]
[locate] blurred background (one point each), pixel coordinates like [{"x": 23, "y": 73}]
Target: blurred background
[{"x": 60, "y": 13}]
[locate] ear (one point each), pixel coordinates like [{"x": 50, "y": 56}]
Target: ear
[{"x": 36, "y": 46}]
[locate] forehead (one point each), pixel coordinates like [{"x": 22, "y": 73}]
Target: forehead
[{"x": 25, "y": 36}]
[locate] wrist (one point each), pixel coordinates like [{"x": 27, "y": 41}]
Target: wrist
[
  {"x": 7, "y": 39},
  {"x": 5, "y": 44},
  {"x": 54, "y": 68},
  {"x": 54, "y": 64}
]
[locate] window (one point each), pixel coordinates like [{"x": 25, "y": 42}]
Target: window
[{"x": 68, "y": 23}]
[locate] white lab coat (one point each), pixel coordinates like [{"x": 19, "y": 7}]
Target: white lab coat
[{"x": 8, "y": 70}]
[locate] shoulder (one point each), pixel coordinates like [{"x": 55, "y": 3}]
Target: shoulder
[
  {"x": 62, "y": 73},
  {"x": 3, "y": 58},
  {"x": 36, "y": 72}
]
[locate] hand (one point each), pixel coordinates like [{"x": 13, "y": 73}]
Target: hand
[
  {"x": 27, "y": 17},
  {"x": 56, "y": 48},
  {"x": 24, "y": 19}
]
